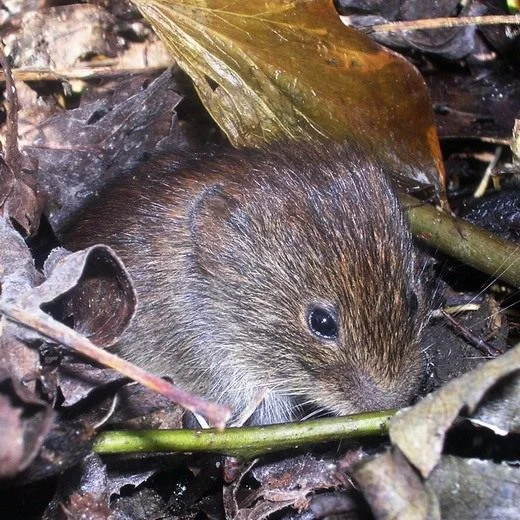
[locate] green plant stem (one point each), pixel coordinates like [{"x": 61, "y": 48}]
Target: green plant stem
[
  {"x": 246, "y": 442},
  {"x": 466, "y": 242}
]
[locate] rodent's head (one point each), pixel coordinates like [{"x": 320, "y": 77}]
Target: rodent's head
[{"x": 310, "y": 283}]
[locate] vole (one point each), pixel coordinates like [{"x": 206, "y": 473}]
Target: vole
[{"x": 289, "y": 270}]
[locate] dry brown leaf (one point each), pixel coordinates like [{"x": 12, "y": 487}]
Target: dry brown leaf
[
  {"x": 94, "y": 287},
  {"x": 19, "y": 200},
  {"x": 473, "y": 488},
  {"x": 25, "y": 422},
  {"x": 79, "y": 150},
  {"x": 290, "y": 69},
  {"x": 17, "y": 273},
  {"x": 395, "y": 490},
  {"x": 426, "y": 424}
]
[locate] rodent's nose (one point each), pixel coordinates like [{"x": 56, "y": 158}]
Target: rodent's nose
[{"x": 373, "y": 395}]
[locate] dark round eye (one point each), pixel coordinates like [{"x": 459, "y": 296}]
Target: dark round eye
[{"x": 323, "y": 323}]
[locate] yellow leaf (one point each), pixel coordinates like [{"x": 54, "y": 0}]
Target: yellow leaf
[{"x": 290, "y": 69}]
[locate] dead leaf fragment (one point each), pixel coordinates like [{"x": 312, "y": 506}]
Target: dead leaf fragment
[
  {"x": 394, "y": 490},
  {"x": 22, "y": 203},
  {"x": 472, "y": 488},
  {"x": 11, "y": 435},
  {"x": 67, "y": 35},
  {"x": 79, "y": 150},
  {"x": 64, "y": 446},
  {"x": 82, "y": 492},
  {"x": 94, "y": 288},
  {"x": 17, "y": 273},
  {"x": 427, "y": 422},
  {"x": 25, "y": 421},
  {"x": 288, "y": 482},
  {"x": 18, "y": 198},
  {"x": 246, "y": 61}
]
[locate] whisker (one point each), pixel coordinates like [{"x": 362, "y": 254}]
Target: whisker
[
  {"x": 315, "y": 413},
  {"x": 498, "y": 273}
]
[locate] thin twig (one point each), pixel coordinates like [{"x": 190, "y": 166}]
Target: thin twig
[
  {"x": 443, "y": 23},
  {"x": 80, "y": 73},
  {"x": 12, "y": 152},
  {"x": 57, "y": 331},
  {"x": 476, "y": 341}
]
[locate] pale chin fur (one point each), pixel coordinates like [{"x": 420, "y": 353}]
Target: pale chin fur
[{"x": 253, "y": 406}]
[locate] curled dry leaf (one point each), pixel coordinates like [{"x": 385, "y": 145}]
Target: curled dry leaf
[
  {"x": 29, "y": 448},
  {"x": 427, "y": 422},
  {"x": 91, "y": 286},
  {"x": 291, "y": 70},
  {"x": 74, "y": 281}
]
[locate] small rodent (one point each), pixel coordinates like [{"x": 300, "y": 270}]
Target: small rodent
[{"x": 289, "y": 270}]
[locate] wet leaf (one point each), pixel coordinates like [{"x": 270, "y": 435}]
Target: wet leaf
[
  {"x": 395, "y": 490},
  {"x": 471, "y": 488},
  {"x": 290, "y": 69},
  {"x": 427, "y": 422}
]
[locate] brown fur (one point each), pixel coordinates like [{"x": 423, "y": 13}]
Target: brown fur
[{"x": 229, "y": 251}]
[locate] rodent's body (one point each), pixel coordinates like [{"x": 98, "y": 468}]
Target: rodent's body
[{"x": 290, "y": 271}]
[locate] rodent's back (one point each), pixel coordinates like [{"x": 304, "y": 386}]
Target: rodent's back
[{"x": 290, "y": 270}]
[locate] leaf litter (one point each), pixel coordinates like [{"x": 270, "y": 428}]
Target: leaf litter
[{"x": 51, "y": 401}]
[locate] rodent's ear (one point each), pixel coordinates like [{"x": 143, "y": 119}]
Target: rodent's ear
[{"x": 211, "y": 225}]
